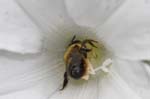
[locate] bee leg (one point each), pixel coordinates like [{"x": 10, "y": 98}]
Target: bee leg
[
  {"x": 92, "y": 44},
  {"x": 65, "y": 81},
  {"x": 73, "y": 41},
  {"x": 84, "y": 51},
  {"x": 76, "y": 41},
  {"x": 89, "y": 42}
]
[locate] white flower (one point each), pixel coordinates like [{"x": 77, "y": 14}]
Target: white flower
[{"x": 27, "y": 62}]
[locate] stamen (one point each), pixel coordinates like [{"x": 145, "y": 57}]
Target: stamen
[{"x": 104, "y": 67}]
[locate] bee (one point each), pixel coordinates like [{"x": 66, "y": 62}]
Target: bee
[{"x": 76, "y": 59}]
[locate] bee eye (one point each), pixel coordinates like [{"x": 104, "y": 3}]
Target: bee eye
[{"x": 77, "y": 71}]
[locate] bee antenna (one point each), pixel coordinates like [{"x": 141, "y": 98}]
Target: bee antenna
[{"x": 74, "y": 37}]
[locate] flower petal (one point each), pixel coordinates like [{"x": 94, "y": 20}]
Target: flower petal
[
  {"x": 127, "y": 31},
  {"x": 134, "y": 74},
  {"x": 17, "y": 33},
  {"x": 32, "y": 93},
  {"x": 79, "y": 90},
  {"x": 47, "y": 14},
  {"x": 91, "y": 12},
  {"x": 112, "y": 86},
  {"x": 21, "y": 71}
]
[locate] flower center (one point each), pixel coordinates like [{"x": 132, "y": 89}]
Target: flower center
[
  {"x": 83, "y": 52},
  {"x": 87, "y": 51}
]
